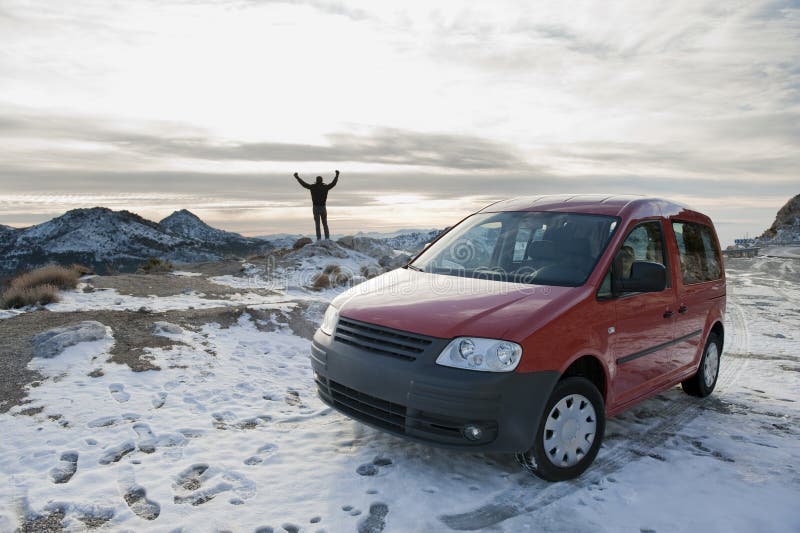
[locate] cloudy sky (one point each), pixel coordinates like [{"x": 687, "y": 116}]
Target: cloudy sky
[{"x": 429, "y": 109}]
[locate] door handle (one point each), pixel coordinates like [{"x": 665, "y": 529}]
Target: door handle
[
  {"x": 668, "y": 313},
  {"x": 682, "y": 309}
]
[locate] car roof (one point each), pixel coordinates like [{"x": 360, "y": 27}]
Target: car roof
[{"x": 619, "y": 205}]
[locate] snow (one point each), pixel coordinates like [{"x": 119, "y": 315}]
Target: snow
[
  {"x": 185, "y": 273},
  {"x": 230, "y": 434}
]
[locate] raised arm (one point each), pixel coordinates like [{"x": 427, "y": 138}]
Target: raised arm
[
  {"x": 332, "y": 184},
  {"x": 303, "y": 183}
]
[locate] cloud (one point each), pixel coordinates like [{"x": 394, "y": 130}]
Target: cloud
[{"x": 390, "y": 146}]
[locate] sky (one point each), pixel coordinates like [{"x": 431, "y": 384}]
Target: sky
[{"x": 430, "y": 110}]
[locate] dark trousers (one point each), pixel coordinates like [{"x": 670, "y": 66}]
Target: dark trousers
[{"x": 320, "y": 213}]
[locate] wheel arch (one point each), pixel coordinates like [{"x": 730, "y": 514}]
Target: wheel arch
[
  {"x": 591, "y": 367},
  {"x": 719, "y": 330}
]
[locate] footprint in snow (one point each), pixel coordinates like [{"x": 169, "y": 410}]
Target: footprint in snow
[
  {"x": 117, "y": 391},
  {"x": 147, "y": 440},
  {"x": 190, "y": 485},
  {"x": 135, "y": 496},
  {"x": 372, "y": 469},
  {"x": 159, "y": 401},
  {"x": 293, "y": 398},
  {"x": 66, "y": 468},
  {"x": 114, "y": 453},
  {"x": 376, "y": 520},
  {"x": 262, "y": 454}
]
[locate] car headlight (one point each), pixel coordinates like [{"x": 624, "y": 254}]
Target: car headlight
[
  {"x": 329, "y": 320},
  {"x": 486, "y": 355}
]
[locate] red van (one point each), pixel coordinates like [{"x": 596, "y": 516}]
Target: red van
[{"x": 524, "y": 326}]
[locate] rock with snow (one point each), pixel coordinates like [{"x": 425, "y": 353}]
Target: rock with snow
[
  {"x": 299, "y": 243},
  {"x": 166, "y": 328},
  {"x": 52, "y": 342},
  {"x": 324, "y": 248},
  {"x": 366, "y": 245},
  {"x": 786, "y": 228}
]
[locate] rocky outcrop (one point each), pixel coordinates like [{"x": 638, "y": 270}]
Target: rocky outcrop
[{"x": 786, "y": 227}]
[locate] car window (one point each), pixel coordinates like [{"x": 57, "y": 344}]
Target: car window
[
  {"x": 542, "y": 248},
  {"x": 645, "y": 242},
  {"x": 698, "y": 252}
]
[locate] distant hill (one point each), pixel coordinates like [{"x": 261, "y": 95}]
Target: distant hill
[
  {"x": 786, "y": 227},
  {"x": 118, "y": 240}
]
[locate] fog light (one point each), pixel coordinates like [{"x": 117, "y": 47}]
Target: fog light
[{"x": 473, "y": 432}]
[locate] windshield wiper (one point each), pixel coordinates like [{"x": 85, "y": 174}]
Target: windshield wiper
[{"x": 412, "y": 267}]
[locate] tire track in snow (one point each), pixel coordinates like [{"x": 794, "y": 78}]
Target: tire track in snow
[{"x": 675, "y": 415}]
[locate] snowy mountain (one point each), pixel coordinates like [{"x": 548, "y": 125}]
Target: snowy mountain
[
  {"x": 786, "y": 227},
  {"x": 118, "y": 240},
  {"x": 186, "y": 224},
  {"x": 412, "y": 242}
]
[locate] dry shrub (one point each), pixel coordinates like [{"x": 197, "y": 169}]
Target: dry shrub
[
  {"x": 56, "y": 275},
  {"x": 331, "y": 276},
  {"x": 15, "y": 297},
  {"x": 371, "y": 271},
  {"x": 154, "y": 265},
  {"x": 81, "y": 269},
  {"x": 321, "y": 281}
]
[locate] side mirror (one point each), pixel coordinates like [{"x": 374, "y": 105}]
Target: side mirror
[{"x": 646, "y": 276}]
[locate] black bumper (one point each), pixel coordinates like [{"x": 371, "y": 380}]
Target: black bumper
[{"x": 422, "y": 401}]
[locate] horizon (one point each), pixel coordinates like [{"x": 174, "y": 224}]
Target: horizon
[
  {"x": 334, "y": 234},
  {"x": 430, "y": 112}
]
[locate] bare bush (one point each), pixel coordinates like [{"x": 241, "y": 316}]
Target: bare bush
[
  {"x": 154, "y": 265},
  {"x": 82, "y": 270},
  {"x": 15, "y": 297},
  {"x": 55, "y": 275}
]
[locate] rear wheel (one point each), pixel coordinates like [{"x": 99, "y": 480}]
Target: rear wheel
[
  {"x": 569, "y": 433},
  {"x": 704, "y": 381}
]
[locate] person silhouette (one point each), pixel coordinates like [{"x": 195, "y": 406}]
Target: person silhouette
[{"x": 319, "y": 195}]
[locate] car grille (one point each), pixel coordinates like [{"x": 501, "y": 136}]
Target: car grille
[
  {"x": 388, "y": 415},
  {"x": 381, "y": 340}
]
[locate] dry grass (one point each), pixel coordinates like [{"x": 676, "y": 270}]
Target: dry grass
[
  {"x": 81, "y": 269},
  {"x": 41, "y": 286},
  {"x": 331, "y": 276},
  {"x": 154, "y": 265},
  {"x": 56, "y": 275},
  {"x": 15, "y": 297}
]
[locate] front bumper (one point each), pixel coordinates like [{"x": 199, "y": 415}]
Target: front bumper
[{"x": 422, "y": 401}]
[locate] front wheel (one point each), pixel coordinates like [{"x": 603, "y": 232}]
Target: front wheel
[
  {"x": 703, "y": 382},
  {"x": 569, "y": 433}
]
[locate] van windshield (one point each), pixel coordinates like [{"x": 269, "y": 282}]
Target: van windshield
[{"x": 537, "y": 247}]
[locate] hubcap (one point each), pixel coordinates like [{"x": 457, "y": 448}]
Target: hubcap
[
  {"x": 711, "y": 364},
  {"x": 569, "y": 430}
]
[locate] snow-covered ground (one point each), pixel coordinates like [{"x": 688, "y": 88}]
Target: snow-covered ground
[{"x": 229, "y": 435}]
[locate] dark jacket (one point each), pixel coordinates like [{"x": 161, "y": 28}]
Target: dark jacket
[{"x": 319, "y": 191}]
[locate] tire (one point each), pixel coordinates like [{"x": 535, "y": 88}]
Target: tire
[
  {"x": 702, "y": 383},
  {"x": 559, "y": 452}
]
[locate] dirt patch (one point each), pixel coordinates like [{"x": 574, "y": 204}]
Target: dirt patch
[
  {"x": 167, "y": 285},
  {"x": 133, "y": 334}
]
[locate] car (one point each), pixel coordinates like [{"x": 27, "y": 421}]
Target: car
[{"x": 525, "y": 326}]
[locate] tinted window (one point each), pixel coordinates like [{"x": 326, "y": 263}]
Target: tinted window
[
  {"x": 698, "y": 252},
  {"x": 543, "y": 248}
]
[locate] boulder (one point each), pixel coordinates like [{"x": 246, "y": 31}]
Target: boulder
[
  {"x": 299, "y": 243},
  {"x": 52, "y": 342}
]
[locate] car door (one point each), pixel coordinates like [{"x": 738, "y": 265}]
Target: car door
[
  {"x": 700, "y": 283},
  {"x": 644, "y": 324}
]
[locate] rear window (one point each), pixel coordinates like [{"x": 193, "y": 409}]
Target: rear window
[{"x": 698, "y": 252}]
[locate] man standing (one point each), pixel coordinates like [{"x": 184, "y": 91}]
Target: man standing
[{"x": 319, "y": 194}]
